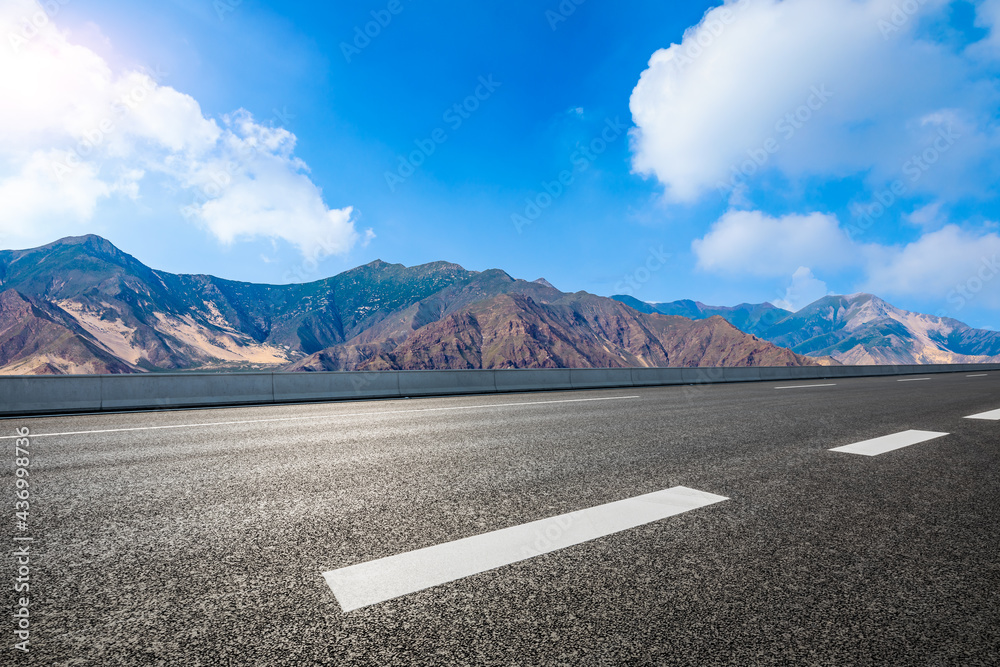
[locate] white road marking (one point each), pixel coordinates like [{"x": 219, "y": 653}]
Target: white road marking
[
  {"x": 379, "y": 580},
  {"x": 993, "y": 415},
  {"x": 286, "y": 419},
  {"x": 913, "y": 380},
  {"x": 888, "y": 443},
  {"x": 981, "y": 375},
  {"x": 807, "y": 386}
]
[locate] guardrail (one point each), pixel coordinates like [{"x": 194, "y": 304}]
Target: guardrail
[{"x": 36, "y": 395}]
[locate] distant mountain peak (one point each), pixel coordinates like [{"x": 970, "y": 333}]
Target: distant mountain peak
[
  {"x": 859, "y": 328},
  {"x": 89, "y": 245},
  {"x": 83, "y": 305},
  {"x": 91, "y": 241},
  {"x": 77, "y": 240}
]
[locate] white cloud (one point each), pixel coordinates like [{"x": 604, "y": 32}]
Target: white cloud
[
  {"x": 927, "y": 217},
  {"x": 988, "y": 17},
  {"x": 34, "y": 191},
  {"x": 810, "y": 87},
  {"x": 77, "y": 133},
  {"x": 803, "y": 290},
  {"x": 938, "y": 265},
  {"x": 750, "y": 242}
]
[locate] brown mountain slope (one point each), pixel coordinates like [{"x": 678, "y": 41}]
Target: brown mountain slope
[
  {"x": 858, "y": 329},
  {"x": 574, "y": 331},
  {"x": 94, "y": 308},
  {"x": 155, "y": 320},
  {"x": 39, "y": 339}
]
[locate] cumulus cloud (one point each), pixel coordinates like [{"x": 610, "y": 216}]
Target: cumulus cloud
[
  {"x": 77, "y": 133},
  {"x": 33, "y": 191},
  {"x": 988, "y": 17},
  {"x": 943, "y": 264},
  {"x": 939, "y": 265},
  {"x": 751, "y": 242},
  {"x": 803, "y": 290},
  {"x": 812, "y": 87},
  {"x": 927, "y": 217}
]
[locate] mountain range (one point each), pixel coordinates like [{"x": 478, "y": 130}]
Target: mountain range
[
  {"x": 81, "y": 305},
  {"x": 858, "y": 329}
]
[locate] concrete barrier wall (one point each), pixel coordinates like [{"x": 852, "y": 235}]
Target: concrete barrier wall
[
  {"x": 597, "y": 378},
  {"x": 185, "y": 390},
  {"x": 291, "y": 387},
  {"x": 742, "y": 374},
  {"x": 445, "y": 383},
  {"x": 35, "y": 395},
  {"x": 656, "y": 377},
  {"x": 532, "y": 379},
  {"x": 702, "y": 375},
  {"x": 782, "y": 373}
]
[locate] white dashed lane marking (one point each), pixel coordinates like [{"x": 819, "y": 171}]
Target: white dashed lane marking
[
  {"x": 993, "y": 415},
  {"x": 379, "y": 580},
  {"x": 331, "y": 416},
  {"x": 806, "y": 386},
  {"x": 888, "y": 443}
]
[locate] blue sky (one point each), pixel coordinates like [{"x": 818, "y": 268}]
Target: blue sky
[{"x": 760, "y": 150}]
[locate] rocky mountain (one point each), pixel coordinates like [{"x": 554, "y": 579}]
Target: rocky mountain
[
  {"x": 517, "y": 330},
  {"x": 855, "y": 329},
  {"x": 37, "y": 339},
  {"x": 155, "y": 320},
  {"x": 864, "y": 329},
  {"x": 82, "y": 305},
  {"x": 754, "y": 318}
]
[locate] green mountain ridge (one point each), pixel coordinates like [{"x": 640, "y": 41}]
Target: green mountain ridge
[
  {"x": 132, "y": 318},
  {"x": 853, "y": 329}
]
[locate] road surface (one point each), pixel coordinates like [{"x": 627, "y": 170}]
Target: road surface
[{"x": 218, "y": 537}]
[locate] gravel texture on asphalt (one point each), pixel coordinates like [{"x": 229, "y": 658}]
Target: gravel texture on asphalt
[{"x": 204, "y": 545}]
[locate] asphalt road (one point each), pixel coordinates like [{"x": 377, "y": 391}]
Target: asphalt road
[{"x": 200, "y": 537}]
